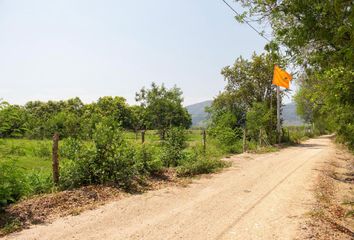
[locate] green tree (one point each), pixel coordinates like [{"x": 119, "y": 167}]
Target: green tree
[
  {"x": 249, "y": 82},
  {"x": 137, "y": 118},
  {"x": 12, "y": 120},
  {"x": 319, "y": 36},
  {"x": 163, "y": 108}
]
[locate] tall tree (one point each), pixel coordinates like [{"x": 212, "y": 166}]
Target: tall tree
[
  {"x": 319, "y": 36},
  {"x": 163, "y": 108},
  {"x": 249, "y": 82}
]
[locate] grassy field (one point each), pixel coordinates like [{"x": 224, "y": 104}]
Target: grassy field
[
  {"x": 28, "y": 154},
  {"x": 36, "y": 154}
]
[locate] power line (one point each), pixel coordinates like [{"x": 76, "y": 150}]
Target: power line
[{"x": 259, "y": 33}]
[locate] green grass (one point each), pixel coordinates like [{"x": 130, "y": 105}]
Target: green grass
[{"x": 28, "y": 154}]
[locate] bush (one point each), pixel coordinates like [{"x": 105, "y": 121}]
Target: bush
[
  {"x": 172, "y": 148},
  {"x": 148, "y": 160},
  {"x": 13, "y": 184},
  {"x": 70, "y": 147},
  {"x": 227, "y": 138},
  {"x": 196, "y": 163},
  {"x": 109, "y": 160},
  {"x": 39, "y": 182}
]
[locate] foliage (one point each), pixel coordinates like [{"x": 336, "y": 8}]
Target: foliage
[
  {"x": 196, "y": 162},
  {"x": 13, "y": 183},
  {"x": 258, "y": 118},
  {"x": 110, "y": 159},
  {"x": 39, "y": 182},
  {"x": 163, "y": 108},
  {"x": 12, "y": 120},
  {"x": 224, "y": 130},
  {"x": 148, "y": 159},
  {"x": 70, "y": 147},
  {"x": 160, "y": 108},
  {"x": 318, "y": 36},
  {"x": 172, "y": 148},
  {"x": 299, "y": 133},
  {"x": 246, "y": 101},
  {"x": 16, "y": 183}
]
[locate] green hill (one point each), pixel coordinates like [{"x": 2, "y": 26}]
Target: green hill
[{"x": 197, "y": 111}]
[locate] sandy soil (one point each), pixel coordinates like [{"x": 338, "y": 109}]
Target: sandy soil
[{"x": 259, "y": 197}]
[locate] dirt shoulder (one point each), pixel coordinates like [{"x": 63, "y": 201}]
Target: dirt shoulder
[
  {"x": 332, "y": 214},
  {"x": 44, "y": 209}
]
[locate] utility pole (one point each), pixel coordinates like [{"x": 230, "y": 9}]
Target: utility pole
[{"x": 278, "y": 114}]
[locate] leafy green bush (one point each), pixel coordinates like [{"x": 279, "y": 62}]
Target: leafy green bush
[
  {"x": 39, "y": 182},
  {"x": 70, "y": 147},
  {"x": 13, "y": 184},
  {"x": 196, "y": 162},
  {"x": 148, "y": 159},
  {"x": 108, "y": 160},
  {"x": 227, "y": 138},
  {"x": 172, "y": 148}
]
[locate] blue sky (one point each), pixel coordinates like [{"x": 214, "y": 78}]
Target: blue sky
[{"x": 91, "y": 48}]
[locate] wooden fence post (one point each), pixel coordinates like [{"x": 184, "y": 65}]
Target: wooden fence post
[
  {"x": 204, "y": 140},
  {"x": 55, "y": 158},
  {"x": 142, "y": 136}
]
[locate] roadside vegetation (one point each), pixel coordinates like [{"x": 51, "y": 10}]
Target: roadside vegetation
[
  {"x": 102, "y": 143},
  {"x": 111, "y": 143}
]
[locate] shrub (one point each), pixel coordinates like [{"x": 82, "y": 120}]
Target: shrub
[
  {"x": 227, "y": 138},
  {"x": 109, "y": 160},
  {"x": 172, "y": 148},
  {"x": 39, "y": 182},
  {"x": 148, "y": 160},
  {"x": 70, "y": 147},
  {"x": 13, "y": 184},
  {"x": 196, "y": 163}
]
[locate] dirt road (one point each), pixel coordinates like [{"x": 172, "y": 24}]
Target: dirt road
[{"x": 259, "y": 197}]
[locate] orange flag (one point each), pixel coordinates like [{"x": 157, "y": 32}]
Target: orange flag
[{"x": 281, "y": 78}]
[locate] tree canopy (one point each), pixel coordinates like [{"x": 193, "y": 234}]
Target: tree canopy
[
  {"x": 319, "y": 38},
  {"x": 163, "y": 108}
]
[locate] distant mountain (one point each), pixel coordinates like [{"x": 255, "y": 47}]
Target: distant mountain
[
  {"x": 197, "y": 111},
  {"x": 199, "y": 116}
]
